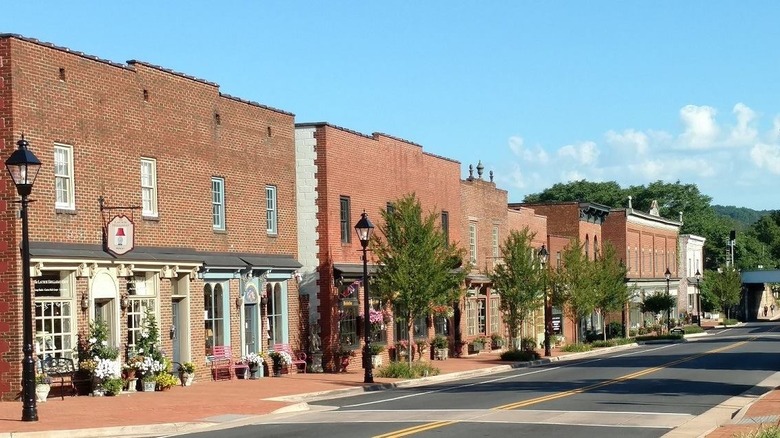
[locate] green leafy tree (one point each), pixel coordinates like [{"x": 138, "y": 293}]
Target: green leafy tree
[
  {"x": 607, "y": 193},
  {"x": 519, "y": 281},
  {"x": 609, "y": 282},
  {"x": 574, "y": 289},
  {"x": 722, "y": 289},
  {"x": 417, "y": 269},
  {"x": 657, "y": 303}
]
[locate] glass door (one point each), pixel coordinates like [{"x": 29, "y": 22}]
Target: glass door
[{"x": 250, "y": 328}]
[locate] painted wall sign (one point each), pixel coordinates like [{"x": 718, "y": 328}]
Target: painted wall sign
[{"x": 120, "y": 235}]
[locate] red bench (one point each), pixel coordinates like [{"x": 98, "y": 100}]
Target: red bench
[
  {"x": 298, "y": 360},
  {"x": 222, "y": 365}
]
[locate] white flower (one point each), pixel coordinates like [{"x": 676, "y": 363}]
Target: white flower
[
  {"x": 104, "y": 343},
  {"x": 107, "y": 369},
  {"x": 140, "y": 350},
  {"x": 92, "y": 340}
]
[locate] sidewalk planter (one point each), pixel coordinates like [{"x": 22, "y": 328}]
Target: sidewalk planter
[
  {"x": 149, "y": 385},
  {"x": 255, "y": 372},
  {"x": 441, "y": 353},
  {"x": 42, "y": 391},
  {"x": 376, "y": 361},
  {"x": 476, "y": 347}
]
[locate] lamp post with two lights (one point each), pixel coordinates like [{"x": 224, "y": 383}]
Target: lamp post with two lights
[
  {"x": 364, "y": 228},
  {"x": 698, "y": 290},
  {"x": 23, "y": 166}
]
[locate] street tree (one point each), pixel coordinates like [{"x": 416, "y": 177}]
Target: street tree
[
  {"x": 609, "y": 282},
  {"x": 657, "y": 303},
  {"x": 722, "y": 288},
  {"x": 519, "y": 281},
  {"x": 417, "y": 268},
  {"x": 573, "y": 287}
]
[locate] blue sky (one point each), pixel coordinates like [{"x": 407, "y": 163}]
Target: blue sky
[{"x": 540, "y": 92}]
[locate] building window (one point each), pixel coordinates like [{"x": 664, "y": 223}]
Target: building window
[
  {"x": 378, "y": 331},
  {"x": 148, "y": 187},
  {"x": 481, "y": 316},
  {"x": 628, "y": 259},
  {"x": 63, "y": 177},
  {"x": 419, "y": 326},
  {"x": 390, "y": 208},
  {"x": 270, "y": 209},
  {"x": 558, "y": 261},
  {"x": 445, "y": 227},
  {"x": 595, "y": 248},
  {"x": 471, "y": 317},
  {"x": 275, "y": 309},
  {"x": 441, "y": 325},
  {"x": 473, "y": 242},
  {"x": 348, "y": 312},
  {"x": 218, "y": 203},
  {"x": 345, "y": 222},
  {"x": 214, "y": 302},
  {"x": 142, "y": 303},
  {"x": 55, "y": 326},
  {"x": 587, "y": 248},
  {"x": 494, "y": 317}
]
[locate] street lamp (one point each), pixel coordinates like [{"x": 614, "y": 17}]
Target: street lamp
[
  {"x": 668, "y": 276},
  {"x": 23, "y": 166},
  {"x": 698, "y": 290},
  {"x": 547, "y": 308},
  {"x": 364, "y": 228}
]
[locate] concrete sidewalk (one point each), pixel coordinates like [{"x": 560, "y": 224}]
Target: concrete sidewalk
[{"x": 208, "y": 404}]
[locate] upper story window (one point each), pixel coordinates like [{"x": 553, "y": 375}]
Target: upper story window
[
  {"x": 473, "y": 242},
  {"x": 495, "y": 245},
  {"x": 445, "y": 227},
  {"x": 148, "y": 187},
  {"x": 63, "y": 177},
  {"x": 270, "y": 210},
  {"x": 587, "y": 248},
  {"x": 218, "y": 203},
  {"x": 344, "y": 218},
  {"x": 390, "y": 208}
]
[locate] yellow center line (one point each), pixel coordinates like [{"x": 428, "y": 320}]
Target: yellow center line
[{"x": 521, "y": 404}]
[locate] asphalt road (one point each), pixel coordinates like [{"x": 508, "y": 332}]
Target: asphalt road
[{"x": 640, "y": 392}]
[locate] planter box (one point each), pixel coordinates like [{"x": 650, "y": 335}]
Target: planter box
[
  {"x": 441, "y": 353},
  {"x": 476, "y": 347}
]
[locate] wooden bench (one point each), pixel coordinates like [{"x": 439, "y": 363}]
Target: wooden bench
[
  {"x": 62, "y": 372},
  {"x": 298, "y": 360},
  {"x": 222, "y": 365}
]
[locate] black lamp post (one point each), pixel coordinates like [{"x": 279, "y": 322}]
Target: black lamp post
[
  {"x": 23, "y": 166},
  {"x": 698, "y": 290},
  {"x": 668, "y": 276},
  {"x": 364, "y": 228},
  {"x": 547, "y": 308}
]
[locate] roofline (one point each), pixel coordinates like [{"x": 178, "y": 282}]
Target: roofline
[
  {"x": 631, "y": 211},
  {"x": 64, "y": 49}
]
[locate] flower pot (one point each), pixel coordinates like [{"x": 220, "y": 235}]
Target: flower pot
[
  {"x": 255, "y": 372},
  {"x": 42, "y": 391},
  {"x": 186, "y": 378},
  {"x": 149, "y": 385},
  {"x": 131, "y": 384},
  {"x": 277, "y": 370},
  {"x": 344, "y": 364},
  {"x": 376, "y": 360},
  {"x": 441, "y": 353}
]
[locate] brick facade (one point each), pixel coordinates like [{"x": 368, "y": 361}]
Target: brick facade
[{"x": 112, "y": 115}]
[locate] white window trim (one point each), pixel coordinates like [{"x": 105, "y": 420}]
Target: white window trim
[
  {"x": 221, "y": 203},
  {"x": 152, "y": 212},
  {"x": 272, "y": 226},
  {"x": 70, "y": 203},
  {"x": 473, "y": 242}
]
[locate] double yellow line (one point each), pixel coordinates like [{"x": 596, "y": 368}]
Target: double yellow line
[{"x": 437, "y": 424}]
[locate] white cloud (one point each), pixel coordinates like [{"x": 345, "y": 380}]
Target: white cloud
[
  {"x": 537, "y": 155},
  {"x": 766, "y": 156},
  {"x": 744, "y": 133},
  {"x": 585, "y": 153},
  {"x": 636, "y": 141},
  {"x": 701, "y": 130},
  {"x": 652, "y": 170},
  {"x": 572, "y": 175}
]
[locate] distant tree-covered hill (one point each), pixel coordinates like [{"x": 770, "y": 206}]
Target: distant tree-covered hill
[{"x": 744, "y": 217}]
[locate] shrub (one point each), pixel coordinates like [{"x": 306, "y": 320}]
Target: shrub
[
  {"x": 690, "y": 329},
  {"x": 188, "y": 367},
  {"x": 729, "y": 321},
  {"x": 113, "y": 386},
  {"x": 402, "y": 370},
  {"x": 614, "y": 330},
  {"x": 528, "y": 344},
  {"x": 575, "y": 348},
  {"x": 520, "y": 355},
  {"x": 593, "y": 336},
  {"x": 762, "y": 432},
  {"x": 165, "y": 381},
  {"x": 376, "y": 348},
  {"x": 658, "y": 337},
  {"x": 440, "y": 342}
]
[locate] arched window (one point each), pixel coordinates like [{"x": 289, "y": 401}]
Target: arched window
[
  {"x": 587, "y": 247},
  {"x": 215, "y": 316}
]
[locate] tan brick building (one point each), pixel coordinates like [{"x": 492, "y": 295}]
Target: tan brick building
[{"x": 207, "y": 179}]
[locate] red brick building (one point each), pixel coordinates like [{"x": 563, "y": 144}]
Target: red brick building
[
  {"x": 207, "y": 179},
  {"x": 567, "y": 221},
  {"x": 342, "y": 173},
  {"x": 648, "y": 245}
]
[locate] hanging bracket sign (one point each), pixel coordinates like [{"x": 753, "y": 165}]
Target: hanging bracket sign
[{"x": 119, "y": 237}]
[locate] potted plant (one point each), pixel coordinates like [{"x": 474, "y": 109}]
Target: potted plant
[
  {"x": 422, "y": 345},
  {"x": 375, "y": 350},
  {"x": 280, "y": 359},
  {"x": 164, "y": 381},
  {"x": 343, "y": 354},
  {"x": 440, "y": 346},
  {"x": 187, "y": 373},
  {"x": 42, "y": 387},
  {"x": 255, "y": 363},
  {"x": 478, "y": 344},
  {"x": 113, "y": 385},
  {"x": 497, "y": 340}
]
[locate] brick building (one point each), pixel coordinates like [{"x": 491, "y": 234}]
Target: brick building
[
  {"x": 192, "y": 168},
  {"x": 567, "y": 221},
  {"x": 342, "y": 173},
  {"x": 691, "y": 261},
  {"x": 647, "y": 244}
]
